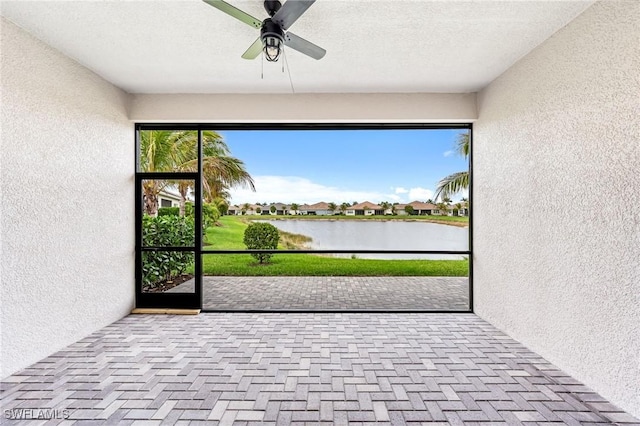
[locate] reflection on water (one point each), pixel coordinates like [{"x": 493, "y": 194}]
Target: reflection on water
[{"x": 379, "y": 235}]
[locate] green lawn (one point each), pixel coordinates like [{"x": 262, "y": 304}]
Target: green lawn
[{"x": 229, "y": 236}]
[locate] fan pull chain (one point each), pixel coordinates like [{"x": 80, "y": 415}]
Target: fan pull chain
[
  {"x": 288, "y": 71},
  {"x": 262, "y": 63}
]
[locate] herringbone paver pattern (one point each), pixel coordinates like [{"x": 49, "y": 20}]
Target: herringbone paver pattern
[
  {"x": 281, "y": 369},
  {"x": 333, "y": 293}
]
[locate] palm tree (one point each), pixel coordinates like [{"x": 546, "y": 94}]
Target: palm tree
[
  {"x": 156, "y": 155},
  {"x": 220, "y": 171},
  {"x": 465, "y": 204},
  {"x": 222, "y": 204},
  {"x": 294, "y": 208},
  {"x": 171, "y": 151},
  {"x": 344, "y": 207},
  {"x": 217, "y": 190},
  {"x": 385, "y": 205},
  {"x": 332, "y": 207},
  {"x": 429, "y": 201},
  {"x": 458, "y": 181}
]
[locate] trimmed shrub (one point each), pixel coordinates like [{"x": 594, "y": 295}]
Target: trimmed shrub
[
  {"x": 169, "y": 211},
  {"x": 165, "y": 231},
  {"x": 261, "y": 236},
  {"x": 210, "y": 214}
]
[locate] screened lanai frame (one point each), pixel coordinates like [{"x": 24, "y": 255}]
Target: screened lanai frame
[{"x": 195, "y": 300}]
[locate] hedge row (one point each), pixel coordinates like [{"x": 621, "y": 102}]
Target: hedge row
[{"x": 165, "y": 231}]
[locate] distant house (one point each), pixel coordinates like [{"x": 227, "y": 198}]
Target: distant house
[
  {"x": 425, "y": 209},
  {"x": 168, "y": 198},
  {"x": 401, "y": 209},
  {"x": 280, "y": 209},
  {"x": 293, "y": 212},
  {"x": 365, "y": 209},
  {"x": 419, "y": 209},
  {"x": 458, "y": 209},
  {"x": 322, "y": 209},
  {"x": 317, "y": 209},
  {"x": 255, "y": 209},
  {"x": 239, "y": 210}
]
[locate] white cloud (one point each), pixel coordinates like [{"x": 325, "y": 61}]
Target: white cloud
[
  {"x": 420, "y": 194},
  {"x": 294, "y": 189},
  {"x": 449, "y": 153},
  {"x": 462, "y": 194},
  {"x": 401, "y": 190}
]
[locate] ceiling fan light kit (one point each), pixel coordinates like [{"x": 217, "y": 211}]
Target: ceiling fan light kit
[
  {"x": 272, "y": 38},
  {"x": 273, "y": 34}
]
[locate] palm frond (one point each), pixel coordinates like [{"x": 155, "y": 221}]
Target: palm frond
[
  {"x": 171, "y": 151},
  {"x": 452, "y": 184},
  {"x": 462, "y": 144}
]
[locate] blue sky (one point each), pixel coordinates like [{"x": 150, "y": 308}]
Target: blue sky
[{"x": 308, "y": 166}]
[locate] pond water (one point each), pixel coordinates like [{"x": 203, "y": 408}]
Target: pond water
[{"x": 379, "y": 235}]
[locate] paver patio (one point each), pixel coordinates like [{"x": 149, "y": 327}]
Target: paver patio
[
  {"x": 279, "y": 369},
  {"x": 333, "y": 293}
]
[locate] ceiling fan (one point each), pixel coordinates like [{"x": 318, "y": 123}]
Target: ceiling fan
[{"x": 272, "y": 30}]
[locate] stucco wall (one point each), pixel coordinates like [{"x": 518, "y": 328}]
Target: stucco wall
[
  {"x": 557, "y": 201},
  {"x": 67, "y": 201},
  {"x": 306, "y": 108}
]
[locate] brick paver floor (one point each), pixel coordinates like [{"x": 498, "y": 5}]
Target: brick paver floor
[
  {"x": 280, "y": 369},
  {"x": 333, "y": 293}
]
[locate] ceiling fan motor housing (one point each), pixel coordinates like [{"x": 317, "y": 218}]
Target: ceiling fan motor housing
[
  {"x": 272, "y": 6},
  {"x": 270, "y": 28}
]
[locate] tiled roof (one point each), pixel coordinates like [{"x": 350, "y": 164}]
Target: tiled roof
[
  {"x": 317, "y": 206},
  {"x": 366, "y": 205},
  {"x": 417, "y": 205}
]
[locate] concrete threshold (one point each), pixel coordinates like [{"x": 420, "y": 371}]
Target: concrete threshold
[{"x": 165, "y": 311}]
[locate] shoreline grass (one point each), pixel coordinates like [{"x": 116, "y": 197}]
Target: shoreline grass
[
  {"x": 230, "y": 233},
  {"x": 292, "y": 241}
]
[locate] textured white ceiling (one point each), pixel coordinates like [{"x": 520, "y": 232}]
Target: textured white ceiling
[{"x": 372, "y": 46}]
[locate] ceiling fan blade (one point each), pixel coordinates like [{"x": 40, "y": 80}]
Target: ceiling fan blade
[
  {"x": 254, "y": 50},
  {"x": 235, "y": 12},
  {"x": 304, "y": 46},
  {"x": 290, "y": 12}
]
